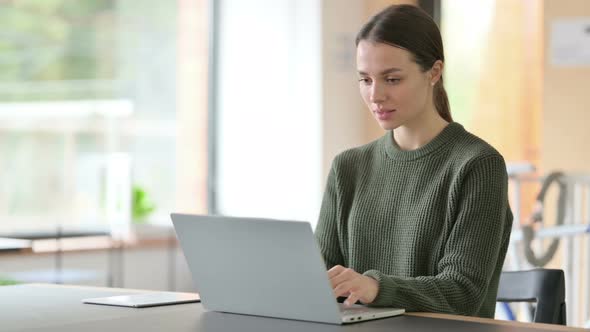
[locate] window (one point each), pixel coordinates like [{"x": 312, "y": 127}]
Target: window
[
  {"x": 91, "y": 97},
  {"x": 268, "y": 109}
]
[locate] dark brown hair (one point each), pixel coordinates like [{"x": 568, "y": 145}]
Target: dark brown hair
[{"x": 410, "y": 28}]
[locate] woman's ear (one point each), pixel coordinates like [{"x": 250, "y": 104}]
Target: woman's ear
[{"x": 436, "y": 72}]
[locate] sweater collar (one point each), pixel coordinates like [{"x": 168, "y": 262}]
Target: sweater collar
[{"x": 445, "y": 137}]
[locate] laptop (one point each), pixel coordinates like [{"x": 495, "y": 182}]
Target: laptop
[
  {"x": 145, "y": 300},
  {"x": 263, "y": 267}
]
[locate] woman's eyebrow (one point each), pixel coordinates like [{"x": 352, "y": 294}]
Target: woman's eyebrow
[{"x": 383, "y": 72}]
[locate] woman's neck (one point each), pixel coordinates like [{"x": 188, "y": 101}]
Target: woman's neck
[{"x": 420, "y": 131}]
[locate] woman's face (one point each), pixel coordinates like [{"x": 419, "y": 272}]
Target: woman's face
[{"x": 393, "y": 86}]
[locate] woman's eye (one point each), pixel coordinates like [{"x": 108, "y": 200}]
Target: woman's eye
[{"x": 364, "y": 80}]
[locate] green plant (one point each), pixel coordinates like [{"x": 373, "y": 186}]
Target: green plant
[
  {"x": 142, "y": 206},
  {"x": 7, "y": 282}
]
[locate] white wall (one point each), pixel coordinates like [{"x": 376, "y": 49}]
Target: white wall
[{"x": 344, "y": 119}]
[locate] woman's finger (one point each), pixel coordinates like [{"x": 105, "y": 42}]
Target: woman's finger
[
  {"x": 352, "y": 299},
  {"x": 335, "y": 270},
  {"x": 340, "y": 278},
  {"x": 343, "y": 289}
]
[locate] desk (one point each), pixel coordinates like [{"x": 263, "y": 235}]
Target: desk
[
  {"x": 11, "y": 245},
  {"x": 39, "y": 307},
  {"x": 56, "y": 232},
  {"x": 58, "y": 275},
  {"x": 66, "y": 253}
]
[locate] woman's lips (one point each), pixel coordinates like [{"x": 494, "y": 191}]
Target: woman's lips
[{"x": 384, "y": 114}]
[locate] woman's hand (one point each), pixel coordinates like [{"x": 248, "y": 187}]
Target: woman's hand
[{"x": 347, "y": 282}]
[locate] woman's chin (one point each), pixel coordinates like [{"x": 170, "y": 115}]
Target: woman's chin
[{"x": 388, "y": 125}]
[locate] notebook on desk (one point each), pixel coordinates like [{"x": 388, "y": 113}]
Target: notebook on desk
[
  {"x": 263, "y": 267},
  {"x": 145, "y": 299}
]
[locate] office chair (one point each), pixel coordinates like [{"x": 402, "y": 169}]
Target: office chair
[{"x": 546, "y": 287}]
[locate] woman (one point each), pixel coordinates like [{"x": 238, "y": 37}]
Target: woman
[{"x": 418, "y": 219}]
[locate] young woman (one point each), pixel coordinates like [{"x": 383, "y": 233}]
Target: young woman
[{"x": 418, "y": 219}]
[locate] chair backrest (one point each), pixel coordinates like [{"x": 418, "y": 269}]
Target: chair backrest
[{"x": 546, "y": 287}]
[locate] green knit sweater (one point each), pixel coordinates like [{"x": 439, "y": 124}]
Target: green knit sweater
[{"x": 431, "y": 225}]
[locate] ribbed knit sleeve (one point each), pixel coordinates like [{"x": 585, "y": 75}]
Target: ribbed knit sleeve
[
  {"x": 327, "y": 228},
  {"x": 472, "y": 252}
]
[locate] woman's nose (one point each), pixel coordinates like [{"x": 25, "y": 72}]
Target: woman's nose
[{"x": 377, "y": 94}]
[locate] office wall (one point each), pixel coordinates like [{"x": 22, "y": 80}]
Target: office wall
[
  {"x": 566, "y": 107},
  {"x": 346, "y": 122},
  {"x": 342, "y": 117}
]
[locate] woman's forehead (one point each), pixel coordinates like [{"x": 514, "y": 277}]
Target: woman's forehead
[{"x": 374, "y": 57}]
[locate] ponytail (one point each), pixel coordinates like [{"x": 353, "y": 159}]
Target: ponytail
[{"x": 441, "y": 101}]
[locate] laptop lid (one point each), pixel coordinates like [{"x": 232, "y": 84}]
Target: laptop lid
[{"x": 257, "y": 267}]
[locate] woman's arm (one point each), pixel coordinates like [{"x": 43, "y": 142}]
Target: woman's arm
[
  {"x": 478, "y": 240},
  {"x": 327, "y": 229}
]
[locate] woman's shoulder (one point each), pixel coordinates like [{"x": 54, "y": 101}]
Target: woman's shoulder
[
  {"x": 471, "y": 149},
  {"x": 358, "y": 155}
]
